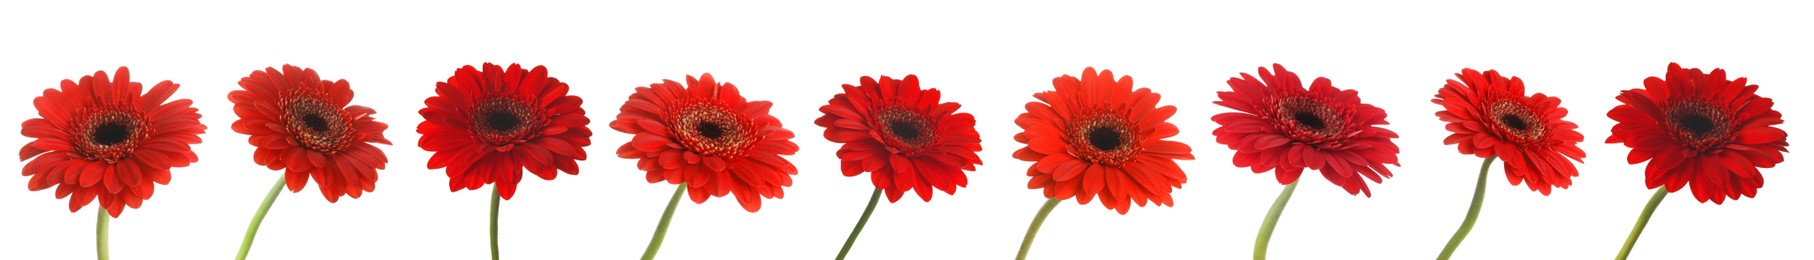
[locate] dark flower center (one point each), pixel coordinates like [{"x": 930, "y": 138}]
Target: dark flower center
[
  {"x": 502, "y": 121},
  {"x": 1698, "y": 125},
  {"x": 1513, "y": 122},
  {"x": 1105, "y": 138},
  {"x": 1517, "y": 124},
  {"x": 1307, "y": 119},
  {"x": 110, "y": 133},
  {"x": 108, "y": 136},
  {"x": 316, "y": 125},
  {"x": 711, "y": 130},
  {"x": 905, "y": 130}
]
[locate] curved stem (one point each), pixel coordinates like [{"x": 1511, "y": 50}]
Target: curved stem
[
  {"x": 100, "y": 234},
  {"x": 1467, "y": 224},
  {"x": 1272, "y": 219},
  {"x": 494, "y": 222},
  {"x": 661, "y": 229},
  {"x": 245, "y": 245},
  {"x": 873, "y": 197},
  {"x": 1643, "y": 219},
  {"x": 1032, "y": 230}
]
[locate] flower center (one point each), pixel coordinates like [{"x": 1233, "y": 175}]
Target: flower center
[
  {"x": 1307, "y": 120},
  {"x": 711, "y": 130},
  {"x": 1700, "y": 126},
  {"x": 109, "y": 135},
  {"x": 316, "y": 125},
  {"x": 503, "y": 121},
  {"x": 1104, "y": 139},
  {"x": 1516, "y": 123},
  {"x": 905, "y": 130}
]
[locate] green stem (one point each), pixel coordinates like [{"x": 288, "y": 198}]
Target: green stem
[
  {"x": 100, "y": 234},
  {"x": 1467, "y": 224},
  {"x": 1272, "y": 219},
  {"x": 1643, "y": 219},
  {"x": 873, "y": 197},
  {"x": 661, "y": 229},
  {"x": 494, "y": 222},
  {"x": 1032, "y": 230},
  {"x": 245, "y": 245}
]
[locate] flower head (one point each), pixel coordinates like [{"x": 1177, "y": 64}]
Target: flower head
[
  {"x": 902, "y": 136},
  {"x": 1701, "y": 130},
  {"x": 706, "y": 136},
  {"x": 303, "y": 125},
  {"x": 487, "y": 126},
  {"x": 1284, "y": 127},
  {"x": 1098, "y": 137},
  {"x": 1490, "y": 115},
  {"x": 101, "y": 139}
]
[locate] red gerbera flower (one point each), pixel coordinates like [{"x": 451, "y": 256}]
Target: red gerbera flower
[
  {"x": 903, "y": 136},
  {"x": 102, "y": 139},
  {"x": 488, "y": 126},
  {"x": 303, "y": 125},
  {"x": 1285, "y": 127},
  {"x": 1700, "y": 129},
  {"x": 1490, "y": 116},
  {"x": 1099, "y": 137},
  {"x": 704, "y": 134}
]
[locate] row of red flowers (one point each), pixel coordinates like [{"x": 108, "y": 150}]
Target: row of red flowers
[{"x": 1093, "y": 137}]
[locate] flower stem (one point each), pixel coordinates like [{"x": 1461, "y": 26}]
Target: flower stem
[
  {"x": 1643, "y": 219},
  {"x": 1467, "y": 224},
  {"x": 494, "y": 222},
  {"x": 1032, "y": 230},
  {"x": 1272, "y": 219},
  {"x": 661, "y": 229},
  {"x": 100, "y": 234},
  {"x": 873, "y": 197},
  {"x": 245, "y": 245}
]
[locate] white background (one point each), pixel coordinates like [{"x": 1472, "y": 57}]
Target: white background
[{"x": 988, "y": 56}]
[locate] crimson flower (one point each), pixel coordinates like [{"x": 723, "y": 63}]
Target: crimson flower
[
  {"x": 304, "y": 126},
  {"x": 101, "y": 139},
  {"x": 1099, "y": 137},
  {"x": 1490, "y": 115},
  {"x": 1280, "y": 125},
  {"x": 903, "y": 136},
  {"x": 487, "y": 126},
  {"x": 1701, "y": 130},
  {"x": 705, "y": 135}
]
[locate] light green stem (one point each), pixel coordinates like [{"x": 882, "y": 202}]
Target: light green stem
[
  {"x": 873, "y": 197},
  {"x": 1643, "y": 219},
  {"x": 245, "y": 245},
  {"x": 494, "y": 221},
  {"x": 1033, "y": 229},
  {"x": 1467, "y": 224},
  {"x": 1272, "y": 219},
  {"x": 661, "y": 229},
  {"x": 100, "y": 234}
]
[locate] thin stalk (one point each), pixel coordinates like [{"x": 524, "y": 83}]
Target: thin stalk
[
  {"x": 494, "y": 222},
  {"x": 1272, "y": 220},
  {"x": 1467, "y": 224},
  {"x": 661, "y": 229},
  {"x": 873, "y": 197},
  {"x": 1643, "y": 219},
  {"x": 1033, "y": 229},
  {"x": 245, "y": 244},
  {"x": 100, "y": 234}
]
